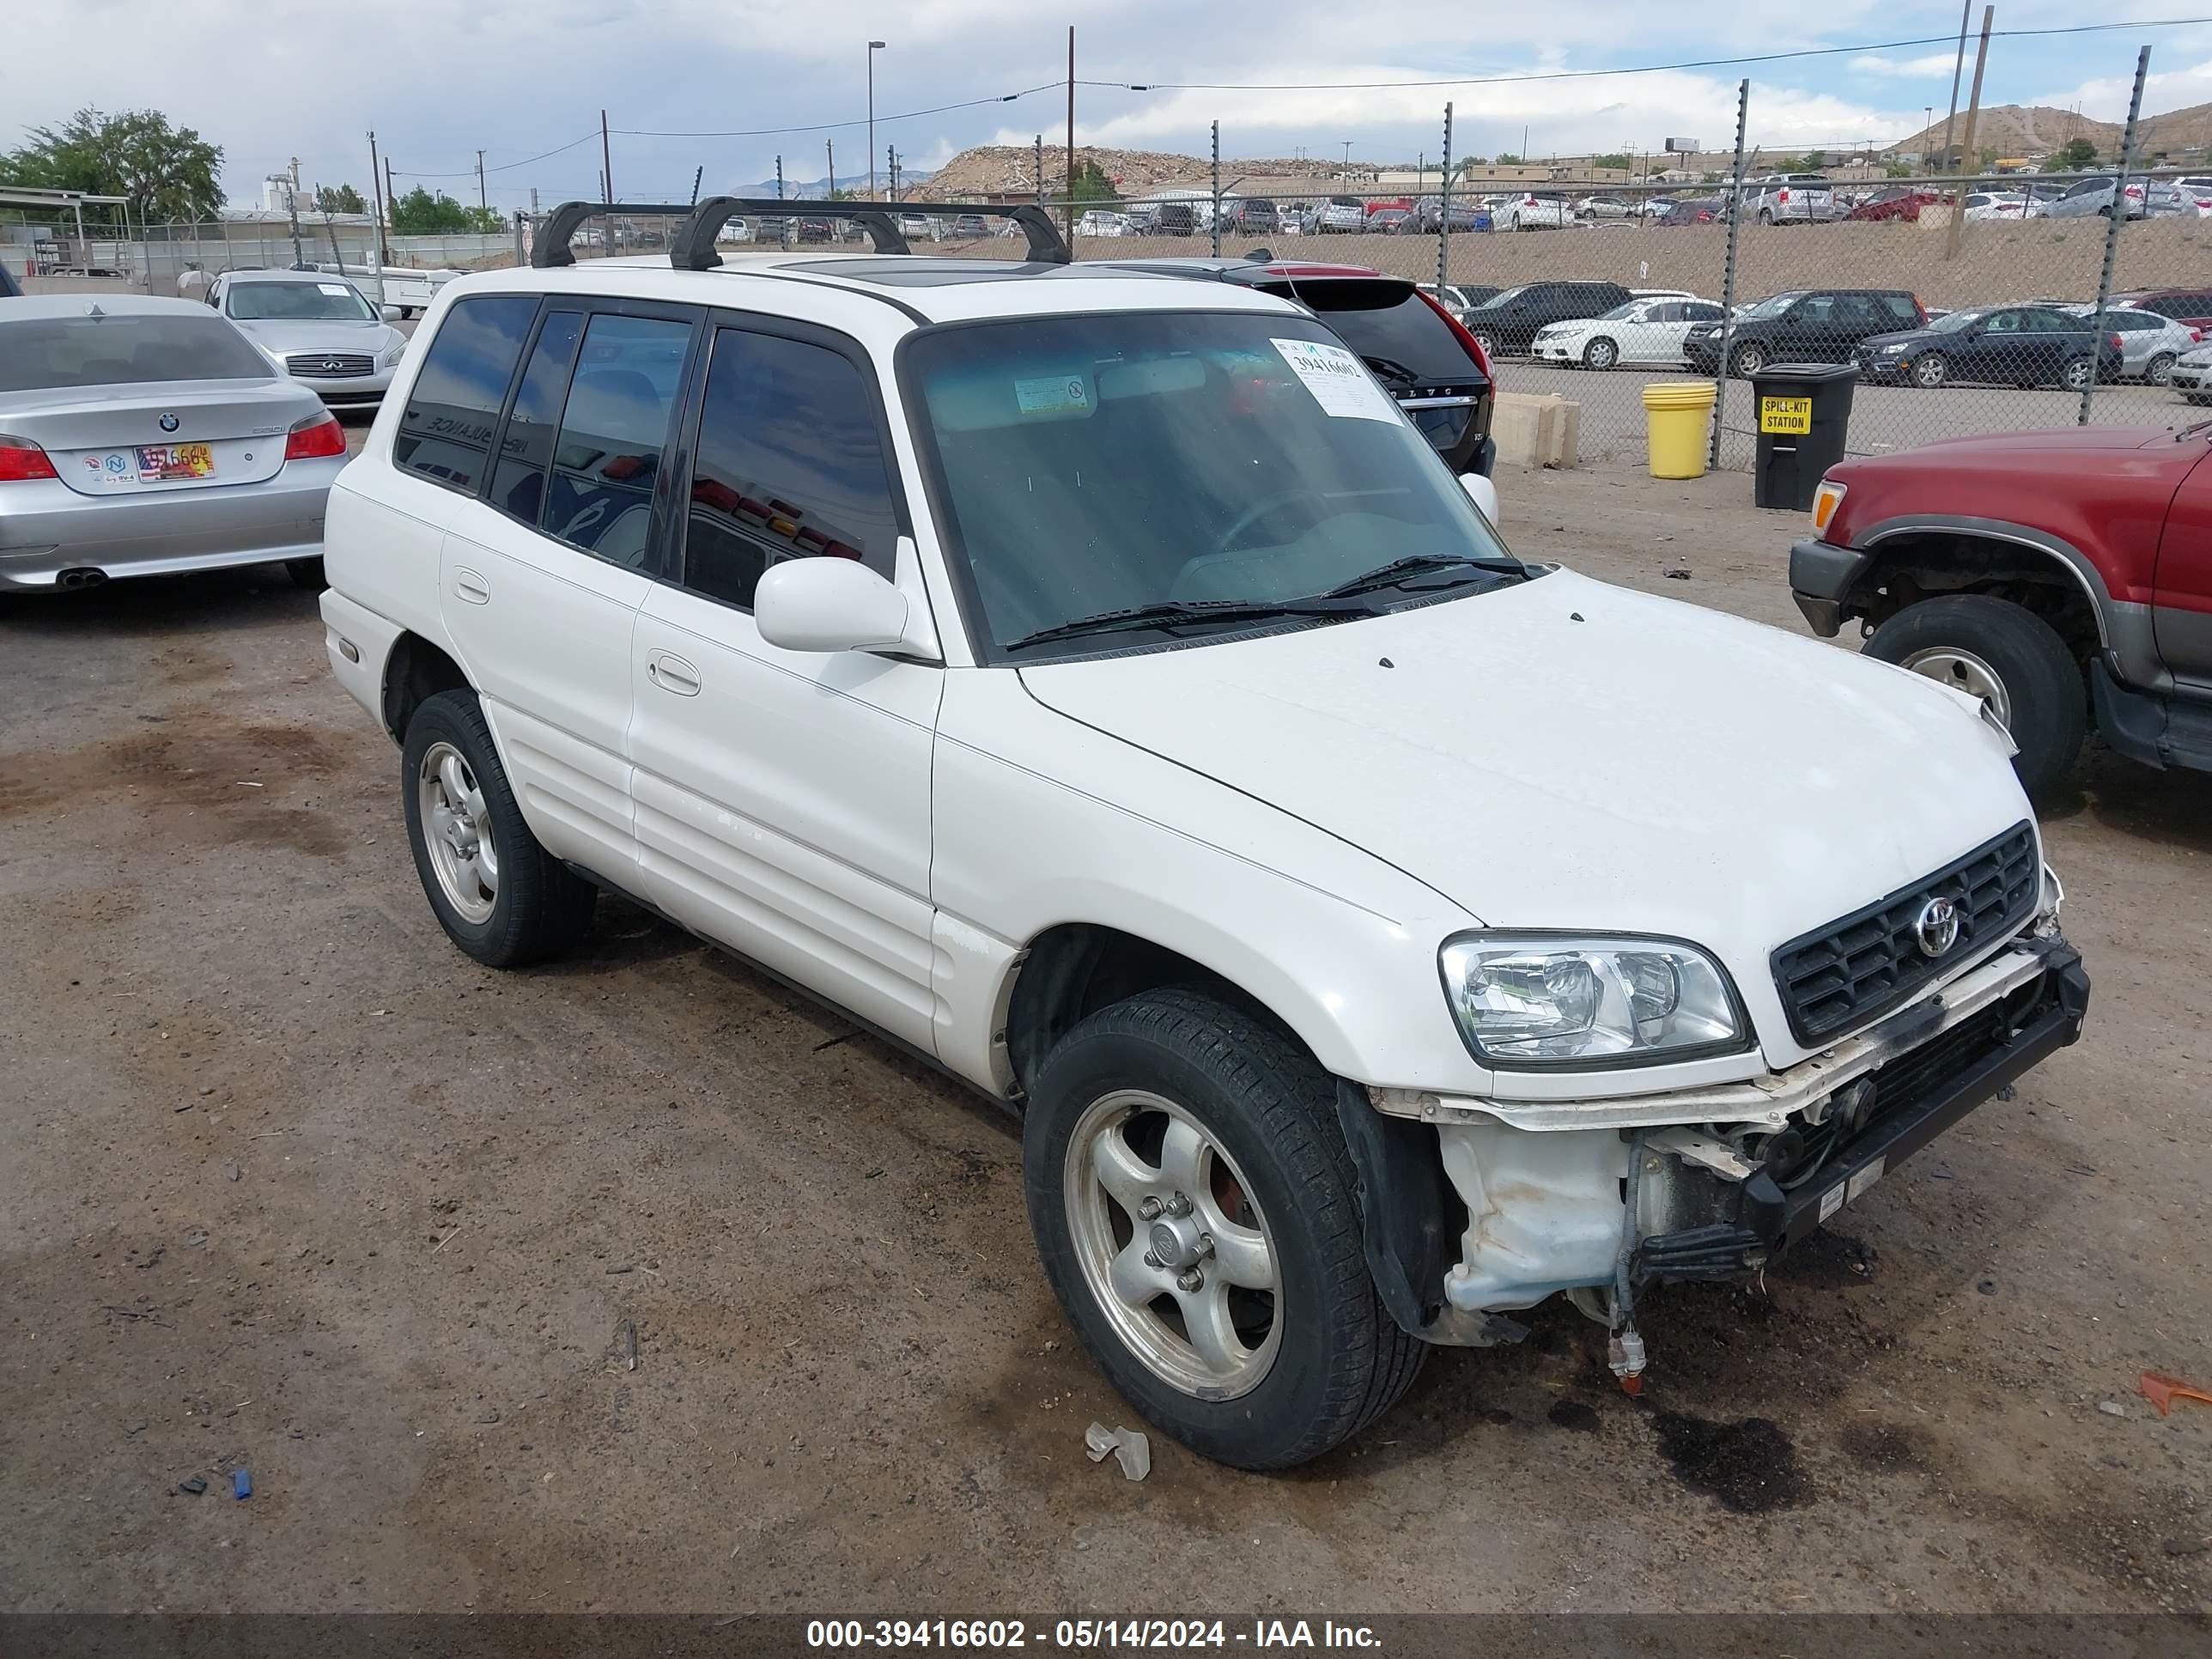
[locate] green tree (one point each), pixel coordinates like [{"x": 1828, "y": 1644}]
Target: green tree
[
  {"x": 1812, "y": 162},
  {"x": 419, "y": 213},
  {"x": 1897, "y": 170},
  {"x": 168, "y": 172},
  {"x": 1506, "y": 158},
  {"x": 1988, "y": 156},
  {"x": 338, "y": 199},
  {"x": 1613, "y": 160},
  {"x": 1091, "y": 183},
  {"x": 2077, "y": 156},
  {"x": 1475, "y": 162}
]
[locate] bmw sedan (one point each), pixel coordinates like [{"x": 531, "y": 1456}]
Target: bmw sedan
[
  {"x": 316, "y": 329},
  {"x": 144, "y": 437}
]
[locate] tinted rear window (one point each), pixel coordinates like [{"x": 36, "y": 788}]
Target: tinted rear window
[
  {"x": 1388, "y": 323},
  {"x": 445, "y": 434},
  {"x": 125, "y": 349}
]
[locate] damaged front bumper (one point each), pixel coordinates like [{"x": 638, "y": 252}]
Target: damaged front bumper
[{"x": 1731, "y": 1177}]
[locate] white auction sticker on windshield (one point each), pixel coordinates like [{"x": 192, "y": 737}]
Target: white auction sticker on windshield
[
  {"x": 338, "y": 288},
  {"x": 1338, "y": 381}
]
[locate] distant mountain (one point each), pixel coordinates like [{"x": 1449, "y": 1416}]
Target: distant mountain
[
  {"x": 2015, "y": 129},
  {"x": 818, "y": 188}
]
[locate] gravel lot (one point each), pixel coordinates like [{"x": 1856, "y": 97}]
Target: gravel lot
[{"x": 290, "y": 1184}]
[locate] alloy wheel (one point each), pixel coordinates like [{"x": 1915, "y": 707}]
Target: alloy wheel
[{"x": 457, "y": 830}]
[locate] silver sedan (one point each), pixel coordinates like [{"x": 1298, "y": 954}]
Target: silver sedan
[
  {"x": 316, "y": 328},
  {"x": 143, "y": 437}
]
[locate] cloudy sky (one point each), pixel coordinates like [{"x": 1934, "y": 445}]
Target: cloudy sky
[{"x": 269, "y": 79}]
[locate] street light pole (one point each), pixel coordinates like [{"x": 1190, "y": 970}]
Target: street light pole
[
  {"x": 1347, "y": 160},
  {"x": 874, "y": 47}
]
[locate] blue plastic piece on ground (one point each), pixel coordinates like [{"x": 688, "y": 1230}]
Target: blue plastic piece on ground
[{"x": 241, "y": 1484}]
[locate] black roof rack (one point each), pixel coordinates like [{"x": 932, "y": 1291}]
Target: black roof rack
[
  {"x": 551, "y": 246},
  {"x": 693, "y": 247}
]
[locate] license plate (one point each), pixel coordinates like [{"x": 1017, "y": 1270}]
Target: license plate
[
  {"x": 1785, "y": 415},
  {"x": 161, "y": 463}
]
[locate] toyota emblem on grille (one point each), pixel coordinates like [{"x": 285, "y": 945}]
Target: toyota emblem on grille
[
  {"x": 1937, "y": 926},
  {"x": 168, "y": 424}
]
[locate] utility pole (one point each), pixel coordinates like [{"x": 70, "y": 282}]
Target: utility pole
[
  {"x": 292, "y": 205},
  {"x": 1040, "y": 169},
  {"x": 607, "y": 163},
  {"x": 1443, "y": 207},
  {"x": 1069, "y": 213},
  {"x": 1957, "y": 68},
  {"x": 1727, "y": 277},
  {"x": 874, "y": 47},
  {"x": 1973, "y": 110},
  {"x": 890, "y": 164},
  {"x": 376, "y": 190},
  {"x": 782, "y": 221},
  {"x": 830, "y": 147},
  {"x": 391, "y": 193}
]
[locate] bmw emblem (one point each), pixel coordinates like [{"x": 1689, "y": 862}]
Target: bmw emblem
[
  {"x": 168, "y": 424},
  {"x": 1937, "y": 926}
]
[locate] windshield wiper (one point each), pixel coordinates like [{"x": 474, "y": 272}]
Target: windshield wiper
[
  {"x": 1169, "y": 612},
  {"x": 1390, "y": 574},
  {"x": 1391, "y": 369}
]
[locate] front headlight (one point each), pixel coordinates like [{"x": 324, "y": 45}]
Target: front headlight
[
  {"x": 394, "y": 352},
  {"x": 1538, "y": 999},
  {"x": 1891, "y": 350}
]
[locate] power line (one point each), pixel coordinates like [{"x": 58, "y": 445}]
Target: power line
[
  {"x": 1636, "y": 69},
  {"x": 505, "y": 166},
  {"x": 834, "y": 126}
]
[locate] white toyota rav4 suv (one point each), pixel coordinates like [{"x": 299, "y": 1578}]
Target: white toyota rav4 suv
[{"x": 1090, "y": 681}]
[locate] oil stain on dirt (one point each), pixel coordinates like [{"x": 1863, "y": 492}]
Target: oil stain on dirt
[
  {"x": 1748, "y": 1466},
  {"x": 1886, "y": 1447}
]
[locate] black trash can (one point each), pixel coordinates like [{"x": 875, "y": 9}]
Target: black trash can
[{"x": 1801, "y": 412}]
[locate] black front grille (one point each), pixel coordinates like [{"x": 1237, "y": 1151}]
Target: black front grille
[
  {"x": 323, "y": 365},
  {"x": 1861, "y": 966}
]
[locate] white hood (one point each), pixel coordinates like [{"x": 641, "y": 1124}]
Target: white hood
[{"x": 1569, "y": 755}]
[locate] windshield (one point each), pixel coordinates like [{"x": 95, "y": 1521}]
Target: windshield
[
  {"x": 1092, "y": 465},
  {"x": 1505, "y": 297},
  {"x": 298, "y": 302},
  {"x": 125, "y": 349},
  {"x": 1952, "y": 322},
  {"x": 1772, "y": 305},
  {"x": 1622, "y": 313}
]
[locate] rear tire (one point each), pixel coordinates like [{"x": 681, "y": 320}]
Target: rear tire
[
  {"x": 537, "y": 906},
  {"x": 2159, "y": 371},
  {"x": 1310, "y": 1361},
  {"x": 2040, "y": 679}
]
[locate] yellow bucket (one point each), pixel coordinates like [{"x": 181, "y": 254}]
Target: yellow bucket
[{"x": 1678, "y": 416}]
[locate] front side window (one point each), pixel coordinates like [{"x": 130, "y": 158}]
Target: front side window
[
  {"x": 298, "y": 302},
  {"x": 446, "y": 430},
  {"x": 123, "y": 349},
  {"x": 789, "y": 465},
  {"x": 614, "y": 426},
  {"x": 1093, "y": 465}
]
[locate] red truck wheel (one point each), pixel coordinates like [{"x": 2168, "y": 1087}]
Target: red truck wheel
[{"x": 2009, "y": 658}]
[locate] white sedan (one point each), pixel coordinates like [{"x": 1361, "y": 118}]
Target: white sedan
[
  {"x": 1647, "y": 330},
  {"x": 1534, "y": 211},
  {"x": 2002, "y": 204}
]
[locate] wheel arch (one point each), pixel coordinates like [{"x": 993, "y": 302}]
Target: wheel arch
[
  {"x": 1922, "y": 557},
  {"x": 415, "y": 671}
]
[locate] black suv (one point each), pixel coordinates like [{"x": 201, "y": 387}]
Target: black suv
[
  {"x": 1420, "y": 353},
  {"x": 1804, "y": 326},
  {"x": 1508, "y": 322}
]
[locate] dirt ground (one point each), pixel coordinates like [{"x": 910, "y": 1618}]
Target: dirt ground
[{"x": 289, "y": 1185}]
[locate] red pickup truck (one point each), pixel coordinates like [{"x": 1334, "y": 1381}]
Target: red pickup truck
[{"x": 2065, "y": 578}]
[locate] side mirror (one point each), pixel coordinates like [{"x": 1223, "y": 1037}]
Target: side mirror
[
  {"x": 1482, "y": 493},
  {"x": 824, "y": 603},
  {"x": 390, "y": 313}
]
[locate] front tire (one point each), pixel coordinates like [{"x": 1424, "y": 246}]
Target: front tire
[
  {"x": 1265, "y": 1344},
  {"x": 1749, "y": 360},
  {"x": 1930, "y": 370},
  {"x": 1601, "y": 353},
  {"x": 501, "y": 898},
  {"x": 2077, "y": 374},
  {"x": 2011, "y": 658},
  {"x": 2159, "y": 371}
]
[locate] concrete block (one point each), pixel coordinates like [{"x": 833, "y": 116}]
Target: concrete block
[{"x": 1537, "y": 430}]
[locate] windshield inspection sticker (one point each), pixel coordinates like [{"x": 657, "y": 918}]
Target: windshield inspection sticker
[
  {"x": 1338, "y": 381},
  {"x": 338, "y": 288},
  {"x": 1053, "y": 394}
]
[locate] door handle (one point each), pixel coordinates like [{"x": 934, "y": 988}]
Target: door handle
[
  {"x": 471, "y": 587},
  {"x": 673, "y": 674}
]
